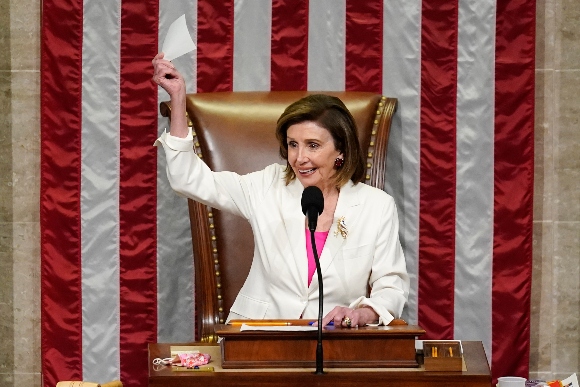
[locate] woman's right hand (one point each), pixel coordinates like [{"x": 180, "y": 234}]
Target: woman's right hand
[{"x": 166, "y": 76}]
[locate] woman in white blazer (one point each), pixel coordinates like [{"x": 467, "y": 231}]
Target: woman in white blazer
[{"x": 356, "y": 233}]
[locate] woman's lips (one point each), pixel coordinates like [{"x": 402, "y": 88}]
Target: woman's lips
[{"x": 306, "y": 171}]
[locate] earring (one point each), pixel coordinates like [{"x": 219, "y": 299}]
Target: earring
[{"x": 338, "y": 163}]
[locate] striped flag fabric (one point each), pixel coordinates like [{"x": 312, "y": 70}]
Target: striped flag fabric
[{"x": 117, "y": 267}]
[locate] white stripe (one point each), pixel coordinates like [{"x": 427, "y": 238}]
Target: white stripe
[
  {"x": 100, "y": 190},
  {"x": 326, "y": 45},
  {"x": 175, "y": 290},
  {"x": 401, "y": 79},
  {"x": 252, "y": 45},
  {"x": 475, "y": 136}
]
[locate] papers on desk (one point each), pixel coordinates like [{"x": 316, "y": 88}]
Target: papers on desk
[{"x": 277, "y": 328}]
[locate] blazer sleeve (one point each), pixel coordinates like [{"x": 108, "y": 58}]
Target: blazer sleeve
[
  {"x": 189, "y": 176},
  {"x": 388, "y": 280}
]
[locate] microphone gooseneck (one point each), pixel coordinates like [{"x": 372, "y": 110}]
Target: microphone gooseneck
[{"x": 312, "y": 206}]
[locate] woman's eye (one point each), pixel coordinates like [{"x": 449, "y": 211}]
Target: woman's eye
[
  {"x": 292, "y": 144},
  {"x": 314, "y": 145}
]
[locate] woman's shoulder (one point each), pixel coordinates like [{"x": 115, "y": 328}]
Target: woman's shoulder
[
  {"x": 369, "y": 192},
  {"x": 375, "y": 202}
]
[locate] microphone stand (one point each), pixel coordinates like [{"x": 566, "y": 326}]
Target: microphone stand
[{"x": 319, "y": 357}]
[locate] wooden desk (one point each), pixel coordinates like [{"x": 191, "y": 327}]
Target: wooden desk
[
  {"x": 368, "y": 347},
  {"x": 477, "y": 373}
]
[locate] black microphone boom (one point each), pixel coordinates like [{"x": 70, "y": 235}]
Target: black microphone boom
[{"x": 312, "y": 206}]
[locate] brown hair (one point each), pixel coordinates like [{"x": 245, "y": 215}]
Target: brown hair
[{"x": 330, "y": 113}]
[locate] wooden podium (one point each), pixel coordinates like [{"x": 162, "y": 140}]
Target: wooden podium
[
  {"x": 381, "y": 356},
  {"x": 476, "y": 373},
  {"x": 369, "y": 347}
]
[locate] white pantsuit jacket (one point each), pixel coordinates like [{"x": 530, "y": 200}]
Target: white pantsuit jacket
[{"x": 277, "y": 285}]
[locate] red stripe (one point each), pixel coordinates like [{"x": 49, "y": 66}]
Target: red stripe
[
  {"x": 215, "y": 45},
  {"x": 289, "y": 52},
  {"x": 364, "y": 45},
  {"x": 137, "y": 189},
  {"x": 437, "y": 168},
  {"x": 513, "y": 186},
  {"x": 61, "y": 62}
]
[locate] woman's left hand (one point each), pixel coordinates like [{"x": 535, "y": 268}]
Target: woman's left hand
[{"x": 341, "y": 315}]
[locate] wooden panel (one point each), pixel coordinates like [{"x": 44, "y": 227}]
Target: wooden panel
[{"x": 370, "y": 346}]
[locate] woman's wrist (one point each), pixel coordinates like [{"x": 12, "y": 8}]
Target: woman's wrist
[
  {"x": 368, "y": 314},
  {"x": 178, "y": 117}
]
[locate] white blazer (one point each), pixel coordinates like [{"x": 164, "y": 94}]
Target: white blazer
[{"x": 277, "y": 285}]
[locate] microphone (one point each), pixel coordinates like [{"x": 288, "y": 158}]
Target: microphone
[{"x": 312, "y": 206}]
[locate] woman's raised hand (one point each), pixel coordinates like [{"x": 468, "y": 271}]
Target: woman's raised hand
[{"x": 166, "y": 76}]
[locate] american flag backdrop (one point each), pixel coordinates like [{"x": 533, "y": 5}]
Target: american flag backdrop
[{"x": 116, "y": 250}]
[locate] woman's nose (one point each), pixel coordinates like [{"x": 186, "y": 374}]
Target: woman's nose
[{"x": 301, "y": 155}]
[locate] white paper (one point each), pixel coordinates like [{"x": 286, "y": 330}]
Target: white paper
[
  {"x": 278, "y": 328},
  {"x": 178, "y": 41},
  {"x": 570, "y": 381}
]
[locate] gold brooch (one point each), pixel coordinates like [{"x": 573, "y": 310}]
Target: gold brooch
[{"x": 341, "y": 228}]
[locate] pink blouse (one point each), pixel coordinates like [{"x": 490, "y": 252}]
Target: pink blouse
[{"x": 320, "y": 238}]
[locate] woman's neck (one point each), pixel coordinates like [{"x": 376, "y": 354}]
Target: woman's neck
[{"x": 327, "y": 216}]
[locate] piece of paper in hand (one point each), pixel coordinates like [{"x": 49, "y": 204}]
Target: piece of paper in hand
[{"x": 178, "y": 41}]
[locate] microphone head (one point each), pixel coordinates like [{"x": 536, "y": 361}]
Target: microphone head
[{"x": 312, "y": 199}]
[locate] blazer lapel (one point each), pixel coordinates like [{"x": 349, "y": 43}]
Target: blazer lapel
[
  {"x": 346, "y": 208},
  {"x": 294, "y": 224}
]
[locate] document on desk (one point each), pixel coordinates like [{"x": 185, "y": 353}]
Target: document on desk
[{"x": 277, "y": 328}]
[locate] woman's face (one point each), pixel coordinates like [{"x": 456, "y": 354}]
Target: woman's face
[{"x": 311, "y": 154}]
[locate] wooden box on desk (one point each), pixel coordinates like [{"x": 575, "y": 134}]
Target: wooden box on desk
[
  {"x": 442, "y": 355},
  {"x": 363, "y": 347}
]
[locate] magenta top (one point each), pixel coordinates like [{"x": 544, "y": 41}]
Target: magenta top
[{"x": 320, "y": 238}]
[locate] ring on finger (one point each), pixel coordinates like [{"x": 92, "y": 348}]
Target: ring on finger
[{"x": 347, "y": 321}]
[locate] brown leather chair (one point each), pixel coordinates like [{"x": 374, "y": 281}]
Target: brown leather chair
[{"x": 234, "y": 131}]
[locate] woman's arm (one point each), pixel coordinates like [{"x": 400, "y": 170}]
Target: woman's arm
[
  {"x": 166, "y": 76},
  {"x": 187, "y": 174},
  {"x": 190, "y": 177},
  {"x": 388, "y": 279}
]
